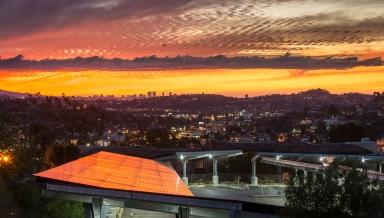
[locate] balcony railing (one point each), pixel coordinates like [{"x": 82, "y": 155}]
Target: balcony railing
[{"x": 234, "y": 179}]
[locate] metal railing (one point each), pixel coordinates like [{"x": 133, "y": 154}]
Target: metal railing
[
  {"x": 234, "y": 179},
  {"x": 200, "y": 179}
]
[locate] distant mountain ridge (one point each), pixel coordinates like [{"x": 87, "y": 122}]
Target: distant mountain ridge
[
  {"x": 313, "y": 101},
  {"x": 4, "y": 93},
  {"x": 311, "y": 92}
]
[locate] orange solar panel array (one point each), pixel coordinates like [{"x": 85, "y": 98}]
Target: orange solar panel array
[{"x": 122, "y": 172}]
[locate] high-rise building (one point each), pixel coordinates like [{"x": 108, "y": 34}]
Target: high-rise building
[
  {"x": 153, "y": 94},
  {"x": 149, "y": 94}
]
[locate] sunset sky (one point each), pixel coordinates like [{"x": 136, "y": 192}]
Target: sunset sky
[{"x": 60, "y": 29}]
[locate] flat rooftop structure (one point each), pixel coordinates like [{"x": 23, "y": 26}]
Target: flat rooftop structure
[
  {"x": 297, "y": 148},
  {"x": 119, "y": 172},
  {"x": 137, "y": 151},
  {"x": 317, "y": 157},
  {"x": 105, "y": 181},
  {"x": 191, "y": 155},
  {"x": 297, "y": 165},
  {"x": 322, "y": 148},
  {"x": 157, "y": 153},
  {"x": 184, "y": 157}
]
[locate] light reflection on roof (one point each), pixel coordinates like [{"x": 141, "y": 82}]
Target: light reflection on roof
[{"x": 120, "y": 172}]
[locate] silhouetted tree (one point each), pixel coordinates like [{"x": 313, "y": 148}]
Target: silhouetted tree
[
  {"x": 339, "y": 191},
  {"x": 346, "y": 133}
]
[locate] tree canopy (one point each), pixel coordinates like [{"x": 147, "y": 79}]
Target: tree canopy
[{"x": 339, "y": 191}]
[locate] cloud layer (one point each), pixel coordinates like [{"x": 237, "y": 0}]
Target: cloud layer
[
  {"x": 25, "y": 16},
  {"x": 131, "y": 28},
  {"x": 286, "y": 61}
]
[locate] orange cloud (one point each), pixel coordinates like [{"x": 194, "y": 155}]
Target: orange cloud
[{"x": 199, "y": 28}]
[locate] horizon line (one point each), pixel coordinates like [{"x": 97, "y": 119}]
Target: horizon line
[{"x": 144, "y": 95}]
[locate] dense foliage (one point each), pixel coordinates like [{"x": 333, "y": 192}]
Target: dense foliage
[
  {"x": 29, "y": 148},
  {"x": 340, "y": 191}
]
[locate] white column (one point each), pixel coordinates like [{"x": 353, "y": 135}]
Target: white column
[
  {"x": 215, "y": 177},
  {"x": 305, "y": 175},
  {"x": 381, "y": 167},
  {"x": 279, "y": 173},
  {"x": 254, "y": 177},
  {"x": 185, "y": 178}
]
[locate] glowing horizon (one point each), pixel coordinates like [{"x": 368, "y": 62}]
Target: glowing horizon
[{"x": 230, "y": 82}]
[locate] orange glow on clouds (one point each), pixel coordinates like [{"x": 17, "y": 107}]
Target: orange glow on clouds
[
  {"x": 235, "y": 82},
  {"x": 202, "y": 28}
]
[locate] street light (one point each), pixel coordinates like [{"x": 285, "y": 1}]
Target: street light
[
  {"x": 321, "y": 159},
  {"x": 5, "y": 158}
]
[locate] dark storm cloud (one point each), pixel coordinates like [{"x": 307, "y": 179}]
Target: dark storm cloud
[{"x": 286, "y": 61}]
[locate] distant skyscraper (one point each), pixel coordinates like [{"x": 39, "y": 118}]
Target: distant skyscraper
[
  {"x": 170, "y": 93},
  {"x": 149, "y": 94},
  {"x": 246, "y": 95},
  {"x": 153, "y": 94},
  {"x": 163, "y": 94}
]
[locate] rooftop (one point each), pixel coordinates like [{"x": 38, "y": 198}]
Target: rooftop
[{"x": 119, "y": 172}]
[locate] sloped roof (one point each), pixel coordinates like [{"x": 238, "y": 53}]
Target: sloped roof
[{"x": 119, "y": 172}]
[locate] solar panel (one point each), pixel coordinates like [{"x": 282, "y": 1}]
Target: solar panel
[{"x": 120, "y": 172}]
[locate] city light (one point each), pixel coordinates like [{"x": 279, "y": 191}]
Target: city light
[
  {"x": 181, "y": 157},
  {"x": 210, "y": 156},
  {"x": 5, "y": 158},
  {"x": 326, "y": 160},
  {"x": 278, "y": 157},
  {"x": 363, "y": 160}
]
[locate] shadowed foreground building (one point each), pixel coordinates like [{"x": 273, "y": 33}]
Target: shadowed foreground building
[{"x": 116, "y": 185}]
